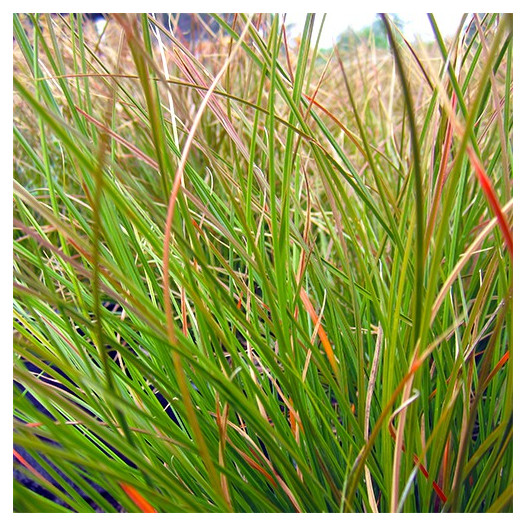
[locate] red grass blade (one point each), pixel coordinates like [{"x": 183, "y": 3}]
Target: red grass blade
[
  {"x": 487, "y": 187},
  {"x": 423, "y": 470},
  {"x": 139, "y": 154}
]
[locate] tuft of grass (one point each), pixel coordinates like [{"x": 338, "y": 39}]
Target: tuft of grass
[{"x": 253, "y": 275}]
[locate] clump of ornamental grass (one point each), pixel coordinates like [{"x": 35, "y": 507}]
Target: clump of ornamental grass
[{"x": 252, "y": 275}]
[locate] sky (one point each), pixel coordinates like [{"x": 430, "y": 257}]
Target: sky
[{"x": 414, "y": 24}]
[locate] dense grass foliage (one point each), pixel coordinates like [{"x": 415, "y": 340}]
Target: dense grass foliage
[{"x": 252, "y": 275}]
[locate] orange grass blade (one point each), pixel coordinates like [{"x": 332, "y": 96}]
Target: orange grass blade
[
  {"x": 252, "y": 463},
  {"x": 28, "y": 466},
  {"x": 321, "y": 331},
  {"x": 498, "y": 367},
  {"x": 293, "y": 425},
  {"x": 221, "y": 420},
  {"x": 137, "y": 498}
]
